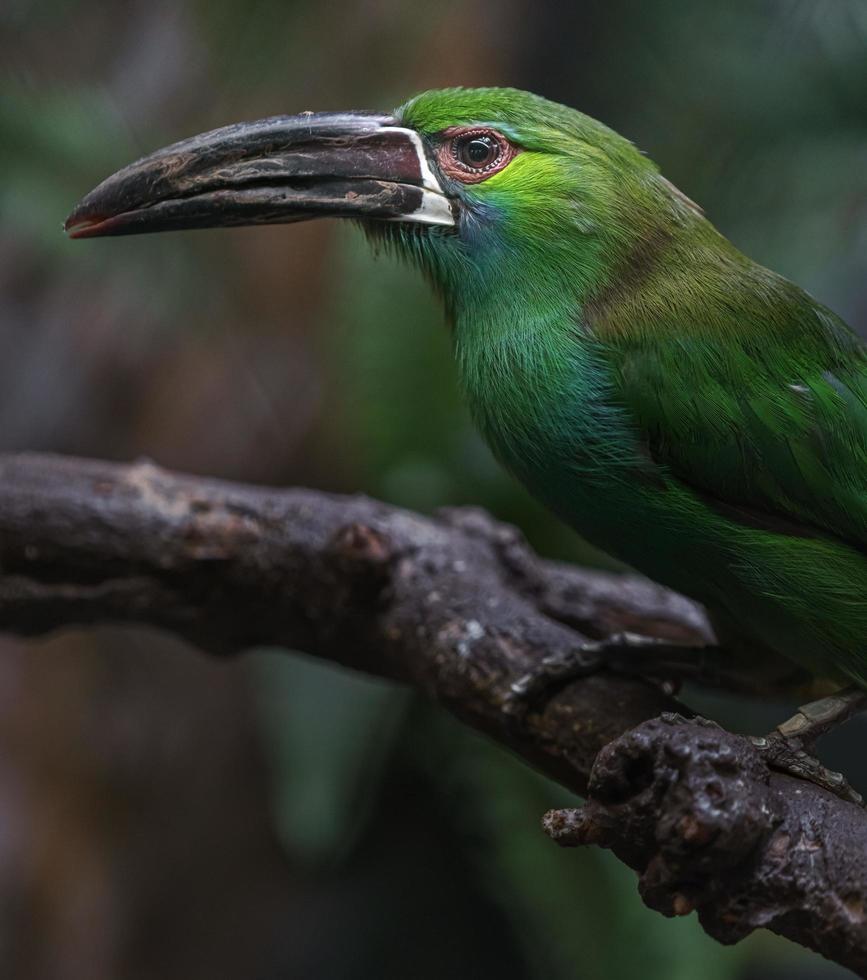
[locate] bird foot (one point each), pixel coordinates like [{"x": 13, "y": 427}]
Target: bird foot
[
  {"x": 655, "y": 660},
  {"x": 789, "y": 755},
  {"x": 533, "y": 689},
  {"x": 790, "y": 747}
]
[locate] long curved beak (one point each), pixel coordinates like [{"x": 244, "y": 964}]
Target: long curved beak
[{"x": 286, "y": 168}]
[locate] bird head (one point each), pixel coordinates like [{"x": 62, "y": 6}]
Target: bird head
[{"x": 478, "y": 186}]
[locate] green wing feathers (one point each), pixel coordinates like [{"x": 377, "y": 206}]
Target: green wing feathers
[
  {"x": 766, "y": 422},
  {"x": 766, "y": 412}
]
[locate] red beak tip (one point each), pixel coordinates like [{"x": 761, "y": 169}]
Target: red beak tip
[{"x": 81, "y": 227}]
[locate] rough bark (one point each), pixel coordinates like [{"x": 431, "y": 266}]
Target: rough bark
[{"x": 458, "y": 606}]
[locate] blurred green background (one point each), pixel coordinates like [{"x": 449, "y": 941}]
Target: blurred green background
[{"x": 162, "y": 815}]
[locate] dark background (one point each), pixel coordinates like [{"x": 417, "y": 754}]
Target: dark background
[{"x": 163, "y": 815}]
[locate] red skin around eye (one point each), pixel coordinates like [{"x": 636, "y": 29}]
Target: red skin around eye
[{"x": 453, "y": 168}]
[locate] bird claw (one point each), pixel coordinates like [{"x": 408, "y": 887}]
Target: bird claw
[
  {"x": 788, "y": 755},
  {"x": 789, "y": 748},
  {"x": 624, "y": 652},
  {"x": 552, "y": 674}
]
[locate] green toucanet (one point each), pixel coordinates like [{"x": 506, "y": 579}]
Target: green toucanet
[{"x": 689, "y": 412}]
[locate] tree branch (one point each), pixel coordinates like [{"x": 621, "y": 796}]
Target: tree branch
[{"x": 458, "y": 606}]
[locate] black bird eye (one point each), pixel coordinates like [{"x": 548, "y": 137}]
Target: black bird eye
[
  {"x": 476, "y": 152},
  {"x": 472, "y": 154}
]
